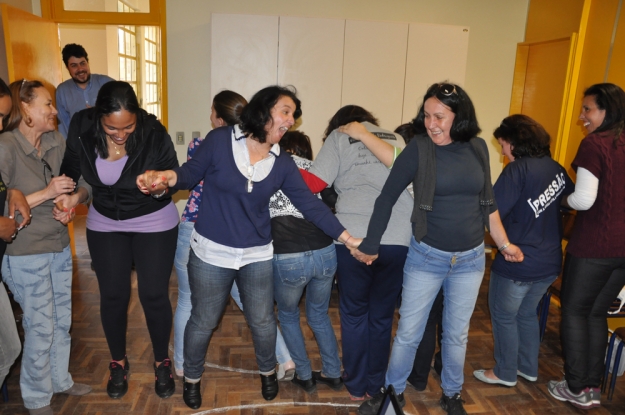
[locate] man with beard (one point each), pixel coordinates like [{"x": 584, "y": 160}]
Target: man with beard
[{"x": 81, "y": 91}]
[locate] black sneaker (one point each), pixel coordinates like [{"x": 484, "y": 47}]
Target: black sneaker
[
  {"x": 372, "y": 406},
  {"x": 453, "y": 405},
  {"x": 117, "y": 385},
  {"x": 164, "y": 384}
]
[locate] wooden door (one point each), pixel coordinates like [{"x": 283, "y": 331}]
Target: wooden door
[
  {"x": 32, "y": 47},
  {"x": 33, "y": 52},
  {"x": 541, "y": 84}
]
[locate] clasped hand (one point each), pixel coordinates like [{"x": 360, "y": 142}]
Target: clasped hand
[
  {"x": 152, "y": 182},
  {"x": 65, "y": 208},
  {"x": 353, "y": 244}
]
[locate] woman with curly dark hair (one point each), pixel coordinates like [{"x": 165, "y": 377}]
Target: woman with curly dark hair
[
  {"x": 536, "y": 227},
  {"x": 242, "y": 167}
]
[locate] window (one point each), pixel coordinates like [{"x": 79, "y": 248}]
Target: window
[
  {"x": 151, "y": 95},
  {"x": 139, "y": 61}
]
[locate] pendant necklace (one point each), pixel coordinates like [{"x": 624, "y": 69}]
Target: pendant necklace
[{"x": 117, "y": 149}]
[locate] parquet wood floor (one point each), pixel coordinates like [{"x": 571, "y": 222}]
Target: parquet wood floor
[{"x": 231, "y": 347}]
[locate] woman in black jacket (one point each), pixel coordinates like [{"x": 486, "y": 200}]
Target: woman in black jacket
[{"x": 109, "y": 145}]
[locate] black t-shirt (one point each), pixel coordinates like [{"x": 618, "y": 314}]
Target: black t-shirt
[
  {"x": 3, "y": 199},
  {"x": 293, "y": 235}
]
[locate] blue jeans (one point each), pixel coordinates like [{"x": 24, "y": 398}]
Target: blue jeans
[
  {"x": 210, "y": 290},
  {"x": 183, "y": 307},
  {"x": 42, "y": 285},
  {"x": 515, "y": 324},
  {"x": 282, "y": 351},
  {"x": 313, "y": 271},
  {"x": 426, "y": 270}
]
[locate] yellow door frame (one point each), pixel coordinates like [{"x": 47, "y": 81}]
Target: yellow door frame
[{"x": 53, "y": 10}]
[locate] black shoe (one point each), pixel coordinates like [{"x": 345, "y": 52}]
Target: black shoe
[
  {"x": 334, "y": 383},
  {"x": 117, "y": 385},
  {"x": 192, "y": 394},
  {"x": 164, "y": 384},
  {"x": 453, "y": 405},
  {"x": 372, "y": 406},
  {"x": 308, "y": 385},
  {"x": 269, "y": 386}
]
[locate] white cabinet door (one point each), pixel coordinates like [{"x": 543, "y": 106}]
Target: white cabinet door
[
  {"x": 436, "y": 53},
  {"x": 244, "y": 53},
  {"x": 310, "y": 58},
  {"x": 374, "y": 68}
]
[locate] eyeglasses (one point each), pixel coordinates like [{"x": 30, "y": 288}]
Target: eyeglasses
[
  {"x": 46, "y": 166},
  {"x": 447, "y": 89}
]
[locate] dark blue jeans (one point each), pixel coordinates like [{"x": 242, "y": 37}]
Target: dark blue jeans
[
  {"x": 210, "y": 291},
  {"x": 367, "y": 298},
  {"x": 313, "y": 271}
]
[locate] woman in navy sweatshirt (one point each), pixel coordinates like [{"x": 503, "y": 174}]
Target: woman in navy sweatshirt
[{"x": 242, "y": 167}]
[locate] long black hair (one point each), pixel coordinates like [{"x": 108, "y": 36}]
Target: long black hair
[
  {"x": 465, "y": 125},
  {"x": 257, "y": 113},
  {"x": 113, "y": 97},
  {"x": 611, "y": 99}
]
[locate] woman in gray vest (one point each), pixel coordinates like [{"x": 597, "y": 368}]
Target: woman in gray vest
[{"x": 453, "y": 204}]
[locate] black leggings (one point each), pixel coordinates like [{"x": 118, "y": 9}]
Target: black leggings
[
  {"x": 153, "y": 254},
  {"x": 589, "y": 286}
]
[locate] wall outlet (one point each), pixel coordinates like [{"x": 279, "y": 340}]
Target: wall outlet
[
  {"x": 180, "y": 137},
  {"x": 195, "y": 134}
]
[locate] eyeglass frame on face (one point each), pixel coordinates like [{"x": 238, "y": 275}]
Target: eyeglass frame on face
[{"x": 47, "y": 166}]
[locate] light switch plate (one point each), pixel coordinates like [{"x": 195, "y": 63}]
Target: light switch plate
[
  {"x": 195, "y": 134},
  {"x": 180, "y": 137}
]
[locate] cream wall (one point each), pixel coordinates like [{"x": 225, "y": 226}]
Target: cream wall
[
  {"x": 94, "y": 39},
  {"x": 496, "y": 27}
]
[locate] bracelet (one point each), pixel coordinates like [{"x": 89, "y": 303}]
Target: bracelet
[
  {"x": 504, "y": 246},
  {"x": 347, "y": 240},
  {"x": 161, "y": 195}
]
